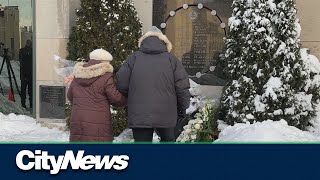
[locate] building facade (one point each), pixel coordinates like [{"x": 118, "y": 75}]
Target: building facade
[
  {"x": 25, "y": 34},
  {"x": 52, "y": 38},
  {"x": 9, "y": 30}
]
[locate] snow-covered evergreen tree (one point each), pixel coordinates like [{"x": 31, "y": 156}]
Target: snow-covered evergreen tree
[
  {"x": 293, "y": 72},
  {"x": 109, "y": 24},
  {"x": 112, "y": 25},
  {"x": 268, "y": 77}
]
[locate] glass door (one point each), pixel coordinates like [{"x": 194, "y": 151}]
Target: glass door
[{"x": 16, "y": 57}]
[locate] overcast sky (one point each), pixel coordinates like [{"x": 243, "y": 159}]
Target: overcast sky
[{"x": 25, "y": 10}]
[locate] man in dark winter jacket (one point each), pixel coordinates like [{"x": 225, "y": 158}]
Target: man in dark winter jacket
[
  {"x": 25, "y": 57},
  {"x": 157, "y": 87}
]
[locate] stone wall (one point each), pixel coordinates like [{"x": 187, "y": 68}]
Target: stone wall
[{"x": 310, "y": 23}]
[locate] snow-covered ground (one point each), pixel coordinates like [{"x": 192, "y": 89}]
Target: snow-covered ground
[
  {"x": 270, "y": 131},
  {"x": 127, "y": 136},
  {"x": 21, "y": 128},
  {"x": 15, "y": 128}
]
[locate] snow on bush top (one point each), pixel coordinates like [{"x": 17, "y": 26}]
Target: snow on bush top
[
  {"x": 311, "y": 61},
  {"x": 273, "y": 84},
  {"x": 267, "y": 131}
]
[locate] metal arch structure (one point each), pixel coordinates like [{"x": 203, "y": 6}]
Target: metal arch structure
[{"x": 200, "y": 6}]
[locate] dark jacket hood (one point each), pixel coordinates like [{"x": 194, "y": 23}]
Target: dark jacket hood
[
  {"x": 154, "y": 43},
  {"x": 87, "y": 73}
]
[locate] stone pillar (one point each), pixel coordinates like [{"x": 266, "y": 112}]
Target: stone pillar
[
  {"x": 52, "y": 28},
  {"x": 145, "y": 9}
]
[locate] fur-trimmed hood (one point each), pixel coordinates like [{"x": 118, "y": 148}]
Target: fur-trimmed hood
[
  {"x": 159, "y": 35},
  {"x": 92, "y": 69}
]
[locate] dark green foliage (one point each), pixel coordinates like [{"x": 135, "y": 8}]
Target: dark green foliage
[
  {"x": 68, "y": 114},
  {"x": 119, "y": 121},
  {"x": 112, "y": 25}
]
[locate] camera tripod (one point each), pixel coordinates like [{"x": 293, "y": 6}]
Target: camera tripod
[{"x": 10, "y": 73}]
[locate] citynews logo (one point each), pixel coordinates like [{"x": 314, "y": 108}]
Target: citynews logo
[{"x": 40, "y": 160}]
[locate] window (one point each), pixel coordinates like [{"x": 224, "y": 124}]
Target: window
[{"x": 16, "y": 39}]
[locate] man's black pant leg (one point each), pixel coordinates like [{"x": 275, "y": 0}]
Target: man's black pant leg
[
  {"x": 143, "y": 134},
  {"x": 24, "y": 85},
  {"x": 166, "y": 134}
]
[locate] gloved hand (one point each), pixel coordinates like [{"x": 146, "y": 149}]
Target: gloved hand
[{"x": 68, "y": 79}]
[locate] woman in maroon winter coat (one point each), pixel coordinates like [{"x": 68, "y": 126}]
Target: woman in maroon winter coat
[{"x": 91, "y": 93}]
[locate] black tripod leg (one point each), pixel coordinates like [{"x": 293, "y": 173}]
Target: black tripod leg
[
  {"x": 10, "y": 80},
  {"x": 1, "y": 89},
  {"x": 14, "y": 78},
  {"x": 2, "y": 65},
  {"x": 0, "y": 74}
]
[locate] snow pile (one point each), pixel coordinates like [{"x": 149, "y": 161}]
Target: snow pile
[
  {"x": 25, "y": 129},
  {"x": 127, "y": 136},
  {"x": 267, "y": 131},
  {"x": 298, "y": 28},
  {"x": 194, "y": 88},
  {"x": 311, "y": 61},
  {"x": 272, "y": 85},
  {"x": 20, "y": 128}
]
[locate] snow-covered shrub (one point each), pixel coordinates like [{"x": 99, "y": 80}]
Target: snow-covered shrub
[
  {"x": 119, "y": 120},
  {"x": 111, "y": 25},
  {"x": 68, "y": 114},
  {"x": 268, "y": 78}
]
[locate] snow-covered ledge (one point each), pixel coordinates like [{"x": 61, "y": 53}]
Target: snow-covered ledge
[
  {"x": 210, "y": 92},
  {"x": 206, "y": 91}
]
